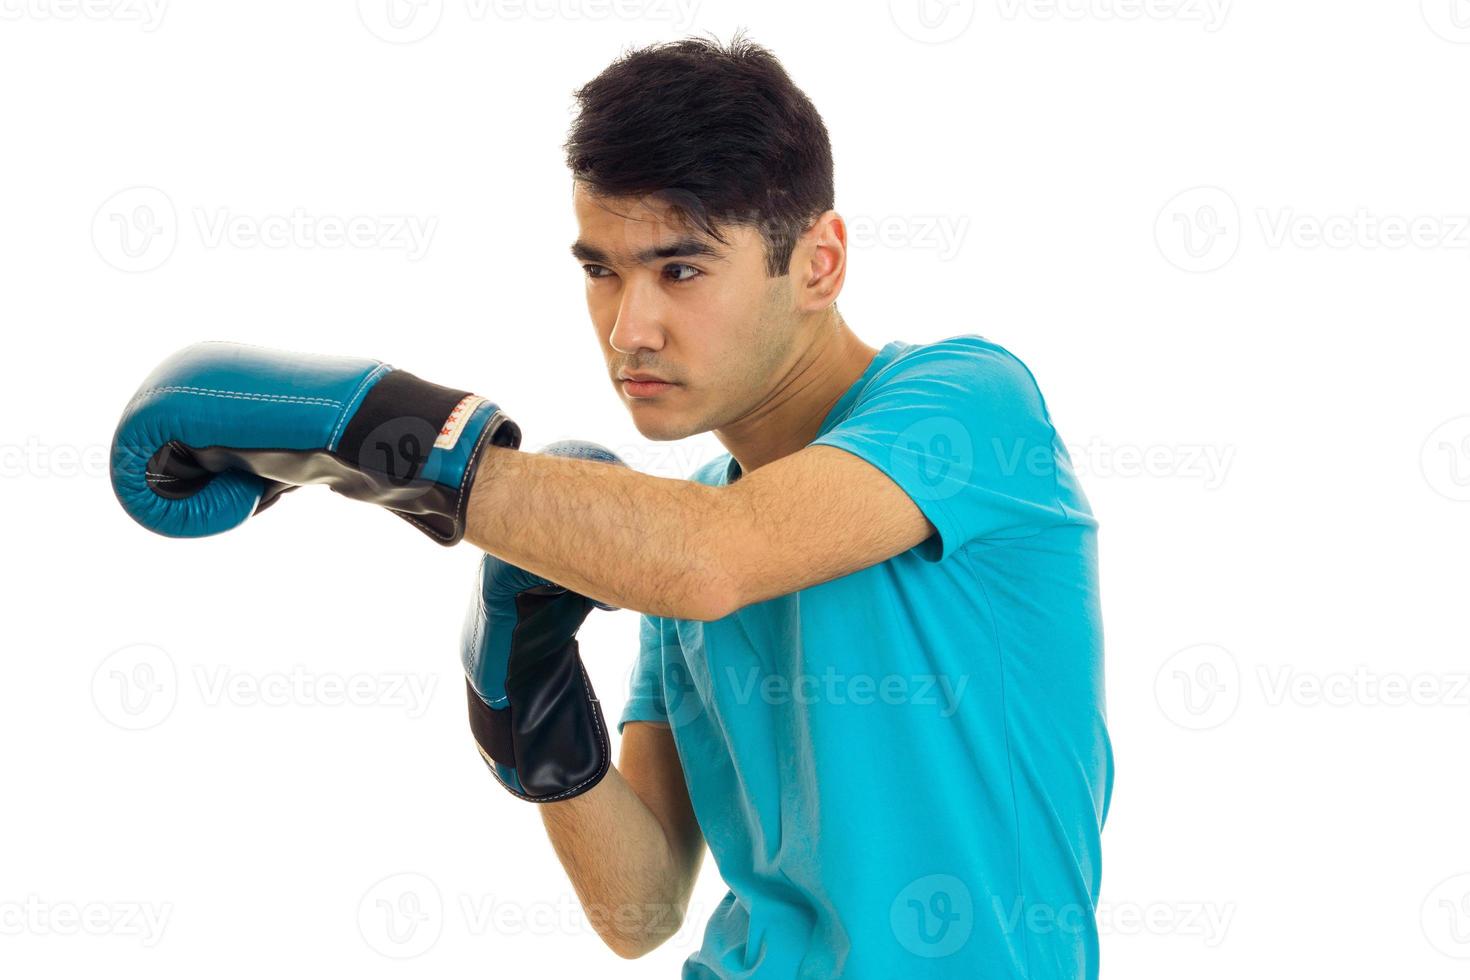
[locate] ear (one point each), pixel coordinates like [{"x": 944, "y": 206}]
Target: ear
[{"x": 819, "y": 263}]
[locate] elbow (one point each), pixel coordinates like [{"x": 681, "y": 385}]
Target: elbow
[
  {"x": 636, "y": 945},
  {"x": 627, "y": 951},
  {"x": 630, "y": 951},
  {"x": 715, "y": 595}
]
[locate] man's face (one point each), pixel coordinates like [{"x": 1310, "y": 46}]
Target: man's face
[{"x": 668, "y": 302}]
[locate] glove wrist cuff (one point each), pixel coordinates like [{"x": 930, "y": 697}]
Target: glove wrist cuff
[{"x": 423, "y": 443}]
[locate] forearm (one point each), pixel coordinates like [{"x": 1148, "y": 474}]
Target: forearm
[
  {"x": 621, "y": 865},
  {"x": 626, "y": 538}
]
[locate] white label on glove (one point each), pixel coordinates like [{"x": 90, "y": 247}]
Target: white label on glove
[{"x": 454, "y": 425}]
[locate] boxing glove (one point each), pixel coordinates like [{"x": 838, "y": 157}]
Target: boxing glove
[
  {"x": 218, "y": 431},
  {"x": 532, "y": 709}
]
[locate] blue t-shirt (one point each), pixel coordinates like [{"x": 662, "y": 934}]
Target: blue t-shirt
[{"x": 903, "y": 772}]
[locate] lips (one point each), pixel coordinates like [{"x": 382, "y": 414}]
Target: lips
[{"x": 633, "y": 387}]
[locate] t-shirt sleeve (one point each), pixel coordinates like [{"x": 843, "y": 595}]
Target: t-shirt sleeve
[
  {"x": 961, "y": 427},
  {"x": 646, "y": 686}
]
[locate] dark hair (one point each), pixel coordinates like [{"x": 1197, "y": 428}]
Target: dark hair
[{"x": 718, "y": 133}]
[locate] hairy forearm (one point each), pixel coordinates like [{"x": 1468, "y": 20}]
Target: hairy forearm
[
  {"x": 626, "y": 538},
  {"x": 621, "y": 865}
]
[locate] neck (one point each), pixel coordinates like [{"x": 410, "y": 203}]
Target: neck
[{"x": 790, "y": 416}]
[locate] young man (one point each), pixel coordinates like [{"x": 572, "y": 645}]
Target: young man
[
  {"x": 889, "y": 726},
  {"x": 871, "y": 675}
]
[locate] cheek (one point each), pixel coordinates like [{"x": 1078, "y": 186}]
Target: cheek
[
  {"x": 728, "y": 319},
  {"x": 728, "y": 333}
]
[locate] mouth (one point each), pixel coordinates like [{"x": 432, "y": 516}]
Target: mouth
[{"x": 643, "y": 385}]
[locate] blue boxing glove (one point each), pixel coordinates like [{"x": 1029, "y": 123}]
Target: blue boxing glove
[
  {"x": 533, "y": 713},
  {"x": 218, "y": 431}
]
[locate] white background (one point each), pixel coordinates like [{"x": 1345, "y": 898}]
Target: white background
[{"x": 1229, "y": 239}]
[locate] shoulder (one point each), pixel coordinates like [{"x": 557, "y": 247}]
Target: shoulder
[
  {"x": 966, "y": 349},
  {"x": 963, "y": 365}
]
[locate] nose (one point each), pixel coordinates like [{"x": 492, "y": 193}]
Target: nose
[{"x": 638, "y": 325}]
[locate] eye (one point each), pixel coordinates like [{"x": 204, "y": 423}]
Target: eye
[
  {"x": 596, "y": 271},
  {"x": 675, "y": 267}
]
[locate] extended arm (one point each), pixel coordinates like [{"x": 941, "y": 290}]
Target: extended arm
[
  {"x": 684, "y": 550},
  {"x": 219, "y": 431}
]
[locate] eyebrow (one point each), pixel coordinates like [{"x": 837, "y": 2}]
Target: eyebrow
[{"x": 679, "y": 248}]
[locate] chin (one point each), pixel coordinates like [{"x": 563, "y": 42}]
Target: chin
[{"x": 660, "y": 430}]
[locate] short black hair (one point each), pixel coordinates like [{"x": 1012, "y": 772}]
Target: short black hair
[{"x": 718, "y": 133}]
